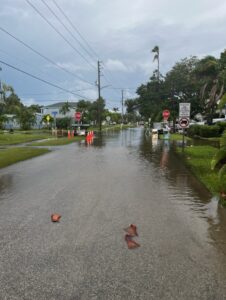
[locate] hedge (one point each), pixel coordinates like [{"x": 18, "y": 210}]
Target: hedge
[{"x": 204, "y": 131}]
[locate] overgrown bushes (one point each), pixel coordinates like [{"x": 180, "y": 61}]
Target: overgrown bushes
[{"x": 204, "y": 131}]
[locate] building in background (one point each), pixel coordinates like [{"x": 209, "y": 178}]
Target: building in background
[{"x": 55, "y": 110}]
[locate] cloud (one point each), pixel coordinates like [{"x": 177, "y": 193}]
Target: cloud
[
  {"x": 116, "y": 65},
  {"x": 122, "y": 32}
]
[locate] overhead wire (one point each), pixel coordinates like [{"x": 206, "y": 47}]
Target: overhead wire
[
  {"x": 66, "y": 28},
  {"x": 59, "y": 33},
  {"x": 76, "y": 29},
  {"x": 42, "y": 80},
  {"x": 44, "y": 57}
]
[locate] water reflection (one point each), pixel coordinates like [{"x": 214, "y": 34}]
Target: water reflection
[
  {"x": 6, "y": 182},
  {"x": 185, "y": 190}
]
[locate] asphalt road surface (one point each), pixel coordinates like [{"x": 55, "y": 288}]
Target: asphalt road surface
[{"x": 100, "y": 189}]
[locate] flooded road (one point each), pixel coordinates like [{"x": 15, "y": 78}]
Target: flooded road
[{"x": 100, "y": 189}]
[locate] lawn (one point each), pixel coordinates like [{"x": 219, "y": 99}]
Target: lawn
[
  {"x": 198, "y": 159},
  {"x": 18, "y": 137},
  {"x": 58, "y": 141},
  {"x": 175, "y": 137},
  {"x": 12, "y": 155}
]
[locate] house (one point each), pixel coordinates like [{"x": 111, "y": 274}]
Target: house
[
  {"x": 55, "y": 110},
  {"x": 12, "y": 122}
]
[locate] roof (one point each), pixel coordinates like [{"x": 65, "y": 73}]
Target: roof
[{"x": 60, "y": 104}]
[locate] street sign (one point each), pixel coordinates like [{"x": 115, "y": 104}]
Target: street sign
[
  {"x": 108, "y": 118},
  {"x": 184, "y": 122},
  {"x": 184, "y": 110},
  {"x": 166, "y": 114},
  {"x": 54, "y": 113},
  {"x": 77, "y": 116}
]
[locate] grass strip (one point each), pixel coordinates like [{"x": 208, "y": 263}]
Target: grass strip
[
  {"x": 58, "y": 141},
  {"x": 175, "y": 137},
  {"x": 198, "y": 159},
  {"x": 19, "y": 138},
  {"x": 13, "y": 155}
]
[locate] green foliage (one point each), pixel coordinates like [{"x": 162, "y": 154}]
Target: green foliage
[
  {"x": 3, "y": 119},
  {"x": 222, "y": 103},
  {"x": 209, "y": 131},
  {"x": 63, "y": 123},
  {"x": 219, "y": 160},
  {"x": 204, "y": 131},
  {"x": 222, "y": 126},
  {"x": 25, "y": 118},
  {"x": 219, "y": 156},
  {"x": 65, "y": 108}
]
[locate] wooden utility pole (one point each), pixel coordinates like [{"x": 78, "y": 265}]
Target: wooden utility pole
[{"x": 122, "y": 106}]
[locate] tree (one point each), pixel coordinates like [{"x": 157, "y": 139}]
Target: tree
[
  {"x": 35, "y": 108},
  {"x": 3, "y": 119},
  {"x": 65, "y": 108},
  {"x": 181, "y": 86},
  {"x": 84, "y": 107},
  {"x": 115, "y": 109},
  {"x": 156, "y": 57},
  {"x": 25, "y": 118},
  {"x": 209, "y": 74}
]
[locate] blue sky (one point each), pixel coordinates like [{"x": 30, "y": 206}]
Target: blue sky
[{"x": 121, "y": 34}]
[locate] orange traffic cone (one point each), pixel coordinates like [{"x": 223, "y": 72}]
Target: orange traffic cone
[
  {"x": 130, "y": 243},
  {"x": 55, "y": 218},
  {"x": 131, "y": 230}
]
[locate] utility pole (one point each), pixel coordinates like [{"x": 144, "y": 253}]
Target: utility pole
[
  {"x": 1, "y": 90},
  {"x": 99, "y": 96},
  {"x": 122, "y": 105}
]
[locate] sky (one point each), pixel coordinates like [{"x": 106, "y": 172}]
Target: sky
[{"x": 119, "y": 33}]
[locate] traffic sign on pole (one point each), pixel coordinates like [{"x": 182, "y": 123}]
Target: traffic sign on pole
[
  {"x": 184, "y": 122},
  {"x": 77, "y": 116},
  {"x": 184, "y": 110},
  {"x": 166, "y": 114}
]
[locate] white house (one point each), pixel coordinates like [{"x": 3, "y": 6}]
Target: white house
[{"x": 54, "y": 110}]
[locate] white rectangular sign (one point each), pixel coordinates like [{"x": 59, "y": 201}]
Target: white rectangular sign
[{"x": 184, "y": 109}]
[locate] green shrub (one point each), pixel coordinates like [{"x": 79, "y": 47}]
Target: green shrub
[
  {"x": 222, "y": 126},
  {"x": 193, "y": 130},
  {"x": 205, "y": 131},
  {"x": 209, "y": 131}
]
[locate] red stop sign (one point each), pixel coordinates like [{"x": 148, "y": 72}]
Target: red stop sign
[
  {"x": 77, "y": 116},
  {"x": 166, "y": 114}
]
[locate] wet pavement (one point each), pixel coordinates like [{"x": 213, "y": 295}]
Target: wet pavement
[{"x": 99, "y": 189}]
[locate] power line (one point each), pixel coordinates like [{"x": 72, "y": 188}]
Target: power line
[
  {"x": 68, "y": 30},
  {"x": 43, "y": 80},
  {"x": 40, "y": 94},
  {"x": 59, "y": 33},
  {"x": 43, "y": 56},
  {"x": 76, "y": 29}
]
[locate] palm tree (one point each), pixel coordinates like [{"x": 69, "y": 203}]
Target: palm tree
[
  {"x": 65, "y": 108},
  {"x": 156, "y": 57}
]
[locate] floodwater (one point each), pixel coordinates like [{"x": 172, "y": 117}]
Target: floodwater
[{"x": 99, "y": 189}]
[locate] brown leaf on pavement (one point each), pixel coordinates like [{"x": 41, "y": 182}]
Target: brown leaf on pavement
[
  {"x": 131, "y": 230},
  {"x": 55, "y": 217},
  {"x": 130, "y": 243}
]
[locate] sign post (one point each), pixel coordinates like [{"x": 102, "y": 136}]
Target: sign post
[
  {"x": 54, "y": 113},
  {"x": 184, "y": 117}
]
